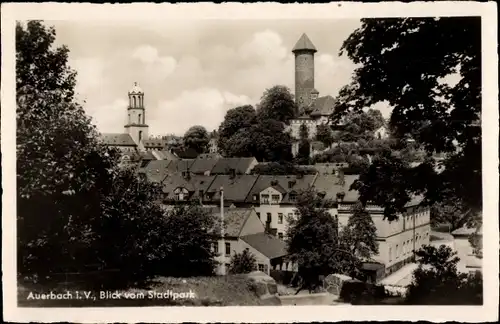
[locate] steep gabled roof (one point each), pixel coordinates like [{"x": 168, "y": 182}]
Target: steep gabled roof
[
  {"x": 117, "y": 139},
  {"x": 298, "y": 184},
  {"x": 193, "y": 183},
  {"x": 304, "y": 44},
  {"x": 156, "y": 170},
  {"x": 202, "y": 165},
  {"x": 329, "y": 184},
  {"x": 235, "y": 189},
  {"x": 323, "y": 106},
  {"x": 266, "y": 244},
  {"x": 234, "y": 219},
  {"x": 240, "y": 165}
]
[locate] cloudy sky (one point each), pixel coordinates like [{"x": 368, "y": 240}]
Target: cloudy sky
[{"x": 192, "y": 72}]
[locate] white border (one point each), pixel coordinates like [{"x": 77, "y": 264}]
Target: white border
[{"x": 51, "y": 11}]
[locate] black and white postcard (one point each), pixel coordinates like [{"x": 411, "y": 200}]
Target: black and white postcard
[{"x": 194, "y": 162}]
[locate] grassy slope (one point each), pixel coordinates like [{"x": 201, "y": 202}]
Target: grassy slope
[{"x": 234, "y": 290}]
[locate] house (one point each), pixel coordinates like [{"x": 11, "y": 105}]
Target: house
[
  {"x": 186, "y": 187},
  {"x": 398, "y": 238},
  {"x": 274, "y": 198},
  {"x": 203, "y": 165},
  {"x": 469, "y": 260},
  {"x": 236, "y": 188},
  {"x": 244, "y": 231}
]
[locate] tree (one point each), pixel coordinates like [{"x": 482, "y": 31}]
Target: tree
[
  {"x": 358, "y": 237},
  {"x": 236, "y": 119},
  {"x": 281, "y": 168},
  {"x": 451, "y": 212},
  {"x": 76, "y": 206},
  {"x": 265, "y": 140},
  {"x": 404, "y": 61},
  {"x": 437, "y": 282},
  {"x": 196, "y": 138},
  {"x": 189, "y": 240},
  {"x": 312, "y": 240},
  {"x": 324, "y": 134},
  {"x": 277, "y": 103},
  {"x": 243, "y": 262}
]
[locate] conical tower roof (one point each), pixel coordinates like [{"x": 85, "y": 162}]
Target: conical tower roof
[{"x": 304, "y": 44}]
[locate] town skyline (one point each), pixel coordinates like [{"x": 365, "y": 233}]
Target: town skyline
[{"x": 206, "y": 73}]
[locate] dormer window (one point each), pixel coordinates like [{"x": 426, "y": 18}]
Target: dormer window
[
  {"x": 254, "y": 197},
  {"x": 275, "y": 199},
  {"x": 293, "y": 196},
  {"x": 264, "y": 199}
]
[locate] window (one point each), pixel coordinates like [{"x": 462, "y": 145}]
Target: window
[
  {"x": 293, "y": 196},
  {"x": 290, "y": 215},
  {"x": 255, "y": 197},
  {"x": 266, "y": 268},
  {"x": 216, "y": 247},
  {"x": 228, "y": 248},
  {"x": 261, "y": 267},
  {"x": 280, "y": 236},
  {"x": 139, "y": 119},
  {"x": 397, "y": 251},
  {"x": 140, "y": 136},
  {"x": 258, "y": 215},
  {"x": 265, "y": 199},
  {"x": 275, "y": 199},
  {"x": 280, "y": 218},
  {"x": 390, "y": 254},
  {"x": 269, "y": 217}
]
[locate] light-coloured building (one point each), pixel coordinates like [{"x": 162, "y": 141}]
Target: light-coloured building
[
  {"x": 469, "y": 260},
  {"x": 244, "y": 231}
]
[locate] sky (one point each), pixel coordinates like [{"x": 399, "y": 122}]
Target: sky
[{"x": 193, "y": 71}]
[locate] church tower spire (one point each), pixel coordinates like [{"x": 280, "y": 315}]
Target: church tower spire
[
  {"x": 304, "y": 51},
  {"x": 136, "y": 124}
]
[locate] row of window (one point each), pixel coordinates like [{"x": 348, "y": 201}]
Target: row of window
[
  {"x": 407, "y": 246},
  {"x": 269, "y": 217},
  {"x": 274, "y": 199},
  {"x": 227, "y": 246}
]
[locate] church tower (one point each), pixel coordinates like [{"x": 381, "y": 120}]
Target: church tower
[
  {"x": 136, "y": 125},
  {"x": 304, "y": 71}
]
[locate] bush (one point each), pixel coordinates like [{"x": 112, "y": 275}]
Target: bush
[
  {"x": 361, "y": 293},
  {"x": 244, "y": 262}
]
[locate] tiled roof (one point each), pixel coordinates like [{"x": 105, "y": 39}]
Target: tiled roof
[
  {"x": 266, "y": 244},
  {"x": 202, "y": 165},
  {"x": 156, "y": 170},
  {"x": 240, "y": 165},
  {"x": 179, "y": 166},
  {"x": 328, "y": 184},
  {"x": 235, "y": 189},
  {"x": 234, "y": 219},
  {"x": 167, "y": 155},
  {"x": 186, "y": 154},
  {"x": 148, "y": 156},
  {"x": 209, "y": 156},
  {"x": 265, "y": 181},
  {"x": 323, "y": 106},
  {"x": 304, "y": 43},
  {"x": 193, "y": 184},
  {"x": 117, "y": 139}
]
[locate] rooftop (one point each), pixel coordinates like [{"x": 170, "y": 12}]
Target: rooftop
[
  {"x": 266, "y": 244},
  {"x": 304, "y": 44},
  {"x": 117, "y": 139}
]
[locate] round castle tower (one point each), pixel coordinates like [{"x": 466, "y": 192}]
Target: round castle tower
[{"x": 304, "y": 72}]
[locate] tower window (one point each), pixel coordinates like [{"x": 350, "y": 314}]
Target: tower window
[
  {"x": 140, "y": 136},
  {"x": 139, "y": 119},
  {"x": 135, "y": 105}
]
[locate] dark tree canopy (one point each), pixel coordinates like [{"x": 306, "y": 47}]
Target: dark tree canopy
[
  {"x": 324, "y": 134},
  {"x": 437, "y": 282},
  {"x": 236, "y": 119},
  {"x": 197, "y": 138},
  {"x": 403, "y": 61},
  {"x": 277, "y": 103},
  {"x": 243, "y": 262}
]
